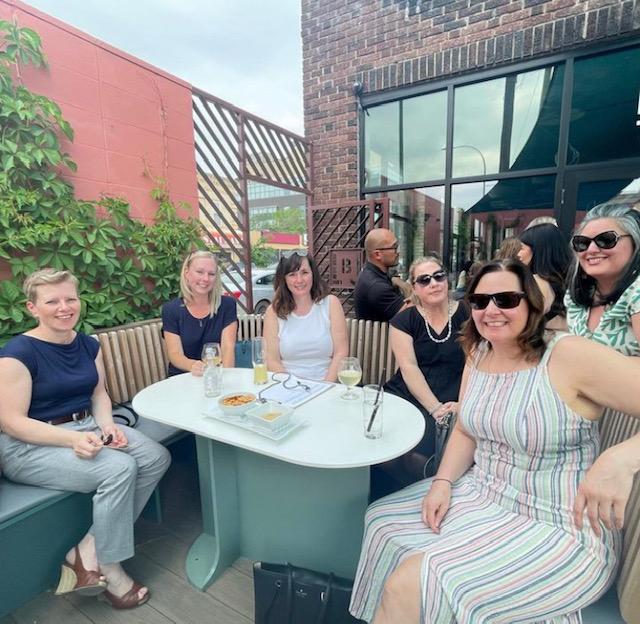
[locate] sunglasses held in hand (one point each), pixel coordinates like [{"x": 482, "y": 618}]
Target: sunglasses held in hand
[{"x": 504, "y": 300}]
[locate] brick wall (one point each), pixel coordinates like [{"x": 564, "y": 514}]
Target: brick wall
[
  {"x": 389, "y": 43},
  {"x": 128, "y": 116}
]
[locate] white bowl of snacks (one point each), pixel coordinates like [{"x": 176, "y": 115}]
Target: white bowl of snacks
[
  {"x": 270, "y": 415},
  {"x": 236, "y": 403}
]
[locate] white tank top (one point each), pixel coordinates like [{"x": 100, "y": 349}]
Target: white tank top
[{"x": 306, "y": 346}]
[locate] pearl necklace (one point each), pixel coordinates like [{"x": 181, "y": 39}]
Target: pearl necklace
[{"x": 426, "y": 326}]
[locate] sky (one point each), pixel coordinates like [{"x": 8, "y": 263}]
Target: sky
[{"x": 248, "y": 52}]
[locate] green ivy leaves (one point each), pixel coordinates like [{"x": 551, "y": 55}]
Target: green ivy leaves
[{"x": 126, "y": 269}]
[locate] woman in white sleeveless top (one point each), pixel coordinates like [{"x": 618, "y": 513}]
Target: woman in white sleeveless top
[{"x": 304, "y": 327}]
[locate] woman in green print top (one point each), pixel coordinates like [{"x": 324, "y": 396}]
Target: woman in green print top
[{"x": 603, "y": 304}]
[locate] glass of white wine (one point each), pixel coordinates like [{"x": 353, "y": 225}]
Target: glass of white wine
[
  {"x": 349, "y": 374},
  {"x": 211, "y": 351}
]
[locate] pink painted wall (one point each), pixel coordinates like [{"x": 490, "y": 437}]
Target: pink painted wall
[{"x": 128, "y": 116}]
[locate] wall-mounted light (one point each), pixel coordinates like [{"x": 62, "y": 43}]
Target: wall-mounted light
[{"x": 358, "y": 90}]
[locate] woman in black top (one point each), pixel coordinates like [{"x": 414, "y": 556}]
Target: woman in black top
[{"x": 430, "y": 361}]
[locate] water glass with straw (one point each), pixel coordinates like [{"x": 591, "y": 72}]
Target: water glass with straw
[{"x": 372, "y": 403}]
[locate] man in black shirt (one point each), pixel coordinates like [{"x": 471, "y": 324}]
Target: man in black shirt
[{"x": 376, "y": 297}]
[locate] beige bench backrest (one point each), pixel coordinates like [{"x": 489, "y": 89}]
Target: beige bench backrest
[{"x": 134, "y": 358}]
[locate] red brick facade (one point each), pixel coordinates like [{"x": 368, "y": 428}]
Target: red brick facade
[
  {"x": 390, "y": 43},
  {"x": 129, "y": 117}
]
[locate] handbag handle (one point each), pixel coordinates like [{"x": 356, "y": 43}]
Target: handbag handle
[
  {"x": 325, "y": 597},
  {"x": 278, "y": 585}
]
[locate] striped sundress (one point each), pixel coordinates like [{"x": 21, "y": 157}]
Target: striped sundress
[{"x": 508, "y": 550}]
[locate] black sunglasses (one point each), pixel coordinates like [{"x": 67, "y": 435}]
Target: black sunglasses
[
  {"x": 425, "y": 280},
  {"x": 504, "y": 300},
  {"x": 393, "y": 247},
  {"x": 604, "y": 240}
]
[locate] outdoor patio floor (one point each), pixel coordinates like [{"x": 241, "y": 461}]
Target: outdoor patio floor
[{"x": 159, "y": 563}]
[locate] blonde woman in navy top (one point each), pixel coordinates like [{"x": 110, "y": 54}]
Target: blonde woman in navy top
[
  {"x": 58, "y": 432},
  {"x": 202, "y": 314}
]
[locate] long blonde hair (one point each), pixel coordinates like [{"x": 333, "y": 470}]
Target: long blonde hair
[{"x": 215, "y": 295}]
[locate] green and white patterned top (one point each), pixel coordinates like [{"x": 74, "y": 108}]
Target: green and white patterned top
[{"x": 614, "y": 328}]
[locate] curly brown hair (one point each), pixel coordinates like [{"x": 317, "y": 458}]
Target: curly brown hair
[
  {"x": 531, "y": 340},
  {"x": 283, "y": 302}
]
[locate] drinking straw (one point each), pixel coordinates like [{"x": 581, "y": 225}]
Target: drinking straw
[{"x": 375, "y": 409}]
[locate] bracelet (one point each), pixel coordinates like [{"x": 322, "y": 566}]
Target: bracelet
[
  {"x": 442, "y": 479},
  {"x": 435, "y": 409}
]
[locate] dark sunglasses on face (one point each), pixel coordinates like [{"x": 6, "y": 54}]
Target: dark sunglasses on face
[
  {"x": 604, "y": 240},
  {"x": 504, "y": 300},
  {"x": 425, "y": 280}
]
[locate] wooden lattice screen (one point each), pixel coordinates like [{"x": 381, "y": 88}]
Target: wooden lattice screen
[
  {"x": 233, "y": 147},
  {"x": 343, "y": 226}
]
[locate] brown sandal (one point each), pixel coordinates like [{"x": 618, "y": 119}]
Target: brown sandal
[
  {"x": 130, "y": 600},
  {"x": 76, "y": 578}
]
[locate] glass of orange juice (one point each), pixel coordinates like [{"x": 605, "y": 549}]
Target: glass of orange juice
[{"x": 259, "y": 364}]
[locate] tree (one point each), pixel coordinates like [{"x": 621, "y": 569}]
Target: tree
[
  {"x": 288, "y": 219},
  {"x": 261, "y": 255}
]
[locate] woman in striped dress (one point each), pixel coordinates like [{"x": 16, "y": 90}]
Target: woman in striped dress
[{"x": 496, "y": 541}]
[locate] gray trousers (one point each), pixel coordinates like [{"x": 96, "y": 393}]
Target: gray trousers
[{"x": 122, "y": 481}]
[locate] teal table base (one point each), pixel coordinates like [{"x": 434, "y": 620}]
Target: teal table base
[{"x": 269, "y": 510}]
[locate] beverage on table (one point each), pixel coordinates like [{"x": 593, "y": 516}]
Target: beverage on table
[
  {"x": 350, "y": 377},
  {"x": 211, "y": 354},
  {"x": 260, "y": 375},
  {"x": 212, "y": 374},
  {"x": 349, "y": 374},
  {"x": 372, "y": 402}
]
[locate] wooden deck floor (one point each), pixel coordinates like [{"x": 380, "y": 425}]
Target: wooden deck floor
[{"x": 159, "y": 563}]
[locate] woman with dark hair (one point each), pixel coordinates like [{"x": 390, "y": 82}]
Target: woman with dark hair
[
  {"x": 545, "y": 251},
  {"x": 304, "y": 327},
  {"x": 603, "y": 304},
  {"x": 495, "y": 538}
]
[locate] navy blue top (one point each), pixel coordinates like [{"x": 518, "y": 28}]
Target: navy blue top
[
  {"x": 63, "y": 376},
  {"x": 194, "y": 332}
]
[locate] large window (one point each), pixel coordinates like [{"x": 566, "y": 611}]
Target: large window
[
  {"x": 605, "y": 108},
  {"x": 405, "y": 140},
  {"x": 508, "y": 123},
  {"x": 496, "y": 151}
]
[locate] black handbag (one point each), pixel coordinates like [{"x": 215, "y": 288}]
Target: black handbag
[{"x": 286, "y": 594}]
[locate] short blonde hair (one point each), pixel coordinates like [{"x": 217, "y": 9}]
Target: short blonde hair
[
  {"x": 215, "y": 295},
  {"x": 43, "y": 277},
  {"x": 412, "y": 272}
]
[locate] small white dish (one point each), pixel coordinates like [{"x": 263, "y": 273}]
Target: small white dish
[
  {"x": 249, "y": 424},
  {"x": 270, "y": 415}
]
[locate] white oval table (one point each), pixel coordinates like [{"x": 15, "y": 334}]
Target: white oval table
[{"x": 301, "y": 499}]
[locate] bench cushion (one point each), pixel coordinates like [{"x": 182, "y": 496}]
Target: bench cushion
[{"x": 16, "y": 498}]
